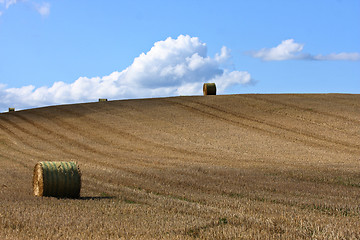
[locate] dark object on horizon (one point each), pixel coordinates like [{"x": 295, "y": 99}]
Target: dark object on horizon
[{"x": 209, "y": 89}]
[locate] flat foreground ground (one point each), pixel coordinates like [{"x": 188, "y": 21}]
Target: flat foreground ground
[{"x": 214, "y": 167}]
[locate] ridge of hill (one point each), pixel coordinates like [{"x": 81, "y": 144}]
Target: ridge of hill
[{"x": 226, "y": 166}]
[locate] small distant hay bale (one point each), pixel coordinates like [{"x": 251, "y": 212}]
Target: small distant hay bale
[
  {"x": 102, "y": 99},
  {"x": 209, "y": 89},
  {"x": 11, "y": 109},
  {"x": 57, "y": 179}
]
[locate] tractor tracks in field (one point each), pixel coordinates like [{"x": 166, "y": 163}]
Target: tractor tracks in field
[
  {"x": 59, "y": 141},
  {"x": 301, "y": 109},
  {"x": 27, "y": 132},
  {"x": 56, "y": 135},
  {"x": 133, "y": 138},
  {"x": 15, "y": 148},
  {"x": 156, "y": 198},
  {"x": 11, "y": 149},
  {"x": 81, "y": 129},
  {"x": 313, "y": 112},
  {"x": 103, "y": 160},
  {"x": 64, "y": 151},
  {"x": 265, "y": 127},
  {"x": 340, "y": 126},
  {"x": 15, "y": 160},
  {"x": 111, "y": 163}
]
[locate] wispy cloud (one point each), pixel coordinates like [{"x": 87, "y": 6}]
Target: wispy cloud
[
  {"x": 290, "y": 50},
  {"x": 171, "y": 67},
  {"x": 339, "y": 56},
  {"x": 42, "y": 8},
  {"x": 8, "y": 3}
]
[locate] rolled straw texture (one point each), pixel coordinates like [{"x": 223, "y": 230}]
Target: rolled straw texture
[
  {"x": 209, "y": 89},
  {"x": 57, "y": 179}
]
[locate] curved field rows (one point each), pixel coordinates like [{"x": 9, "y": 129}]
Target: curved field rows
[{"x": 214, "y": 167}]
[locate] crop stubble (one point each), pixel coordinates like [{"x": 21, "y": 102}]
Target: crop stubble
[{"x": 250, "y": 166}]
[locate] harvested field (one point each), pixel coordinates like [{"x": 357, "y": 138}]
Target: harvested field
[{"x": 215, "y": 167}]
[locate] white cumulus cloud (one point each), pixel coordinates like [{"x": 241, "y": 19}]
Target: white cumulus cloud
[
  {"x": 171, "y": 67},
  {"x": 290, "y": 50},
  {"x": 286, "y": 50}
]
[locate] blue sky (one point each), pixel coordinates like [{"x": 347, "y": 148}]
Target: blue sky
[{"x": 60, "y": 51}]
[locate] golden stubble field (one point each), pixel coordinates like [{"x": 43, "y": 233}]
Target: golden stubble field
[{"x": 214, "y": 167}]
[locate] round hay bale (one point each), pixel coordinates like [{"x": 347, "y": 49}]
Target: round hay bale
[
  {"x": 11, "y": 109},
  {"x": 209, "y": 89},
  {"x": 57, "y": 179},
  {"x": 102, "y": 99}
]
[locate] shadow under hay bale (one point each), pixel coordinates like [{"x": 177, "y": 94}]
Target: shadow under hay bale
[
  {"x": 57, "y": 179},
  {"x": 97, "y": 198},
  {"x": 209, "y": 89},
  {"x": 102, "y": 99}
]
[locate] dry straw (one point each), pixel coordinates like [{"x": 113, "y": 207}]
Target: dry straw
[
  {"x": 209, "y": 89},
  {"x": 102, "y": 99},
  {"x": 57, "y": 179}
]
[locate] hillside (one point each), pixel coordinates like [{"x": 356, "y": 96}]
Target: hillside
[{"x": 230, "y": 166}]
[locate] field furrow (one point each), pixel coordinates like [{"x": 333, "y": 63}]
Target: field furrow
[{"x": 215, "y": 167}]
